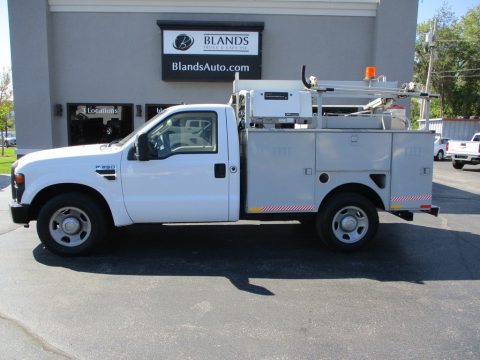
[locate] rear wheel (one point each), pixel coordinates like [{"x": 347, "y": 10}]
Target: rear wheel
[
  {"x": 71, "y": 224},
  {"x": 457, "y": 164},
  {"x": 347, "y": 222},
  {"x": 440, "y": 156}
]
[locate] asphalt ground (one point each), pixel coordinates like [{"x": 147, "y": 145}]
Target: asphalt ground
[{"x": 251, "y": 290}]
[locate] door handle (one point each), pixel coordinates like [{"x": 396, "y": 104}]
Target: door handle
[{"x": 220, "y": 171}]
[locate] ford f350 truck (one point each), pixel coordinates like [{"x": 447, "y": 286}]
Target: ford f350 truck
[{"x": 271, "y": 153}]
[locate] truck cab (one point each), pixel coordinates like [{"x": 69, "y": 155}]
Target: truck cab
[{"x": 201, "y": 162}]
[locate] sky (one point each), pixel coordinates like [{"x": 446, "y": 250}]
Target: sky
[
  {"x": 4, "y": 36},
  {"x": 426, "y": 10}
]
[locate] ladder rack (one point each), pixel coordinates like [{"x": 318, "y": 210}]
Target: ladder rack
[{"x": 291, "y": 104}]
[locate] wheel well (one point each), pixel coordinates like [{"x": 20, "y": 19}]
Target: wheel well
[
  {"x": 43, "y": 196},
  {"x": 358, "y": 189}
]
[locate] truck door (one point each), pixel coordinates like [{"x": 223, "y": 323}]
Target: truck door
[{"x": 186, "y": 178}]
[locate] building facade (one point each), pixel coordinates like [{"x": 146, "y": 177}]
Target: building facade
[
  {"x": 91, "y": 71},
  {"x": 453, "y": 128}
]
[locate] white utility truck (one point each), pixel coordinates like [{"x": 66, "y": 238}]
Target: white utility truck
[
  {"x": 271, "y": 153},
  {"x": 464, "y": 152}
]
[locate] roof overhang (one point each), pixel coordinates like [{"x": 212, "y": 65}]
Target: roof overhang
[{"x": 267, "y": 7}]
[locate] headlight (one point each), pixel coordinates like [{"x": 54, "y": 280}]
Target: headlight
[{"x": 18, "y": 183}]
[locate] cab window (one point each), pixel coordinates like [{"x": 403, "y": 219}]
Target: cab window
[{"x": 184, "y": 133}]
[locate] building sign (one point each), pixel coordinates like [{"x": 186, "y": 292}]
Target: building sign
[
  {"x": 210, "y": 51},
  {"x": 210, "y": 42},
  {"x": 100, "y": 110}
]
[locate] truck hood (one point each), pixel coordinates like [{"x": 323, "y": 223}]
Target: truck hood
[{"x": 78, "y": 152}]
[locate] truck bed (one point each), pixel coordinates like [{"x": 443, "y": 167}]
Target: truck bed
[
  {"x": 292, "y": 171},
  {"x": 467, "y": 148}
]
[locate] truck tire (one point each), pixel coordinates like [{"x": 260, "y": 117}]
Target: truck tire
[
  {"x": 347, "y": 222},
  {"x": 71, "y": 224},
  {"x": 457, "y": 164},
  {"x": 440, "y": 156}
]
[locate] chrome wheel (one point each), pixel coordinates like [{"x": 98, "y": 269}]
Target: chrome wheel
[
  {"x": 70, "y": 226},
  {"x": 350, "y": 224}
]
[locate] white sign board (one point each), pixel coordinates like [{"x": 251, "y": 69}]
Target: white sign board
[{"x": 205, "y": 42}]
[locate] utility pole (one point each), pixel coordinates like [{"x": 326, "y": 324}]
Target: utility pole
[{"x": 430, "y": 40}]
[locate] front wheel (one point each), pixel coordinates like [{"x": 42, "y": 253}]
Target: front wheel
[
  {"x": 347, "y": 222},
  {"x": 71, "y": 224}
]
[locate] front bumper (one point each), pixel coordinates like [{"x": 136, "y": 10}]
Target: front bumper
[{"x": 19, "y": 212}]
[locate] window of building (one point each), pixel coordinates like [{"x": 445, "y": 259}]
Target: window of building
[
  {"x": 154, "y": 109},
  {"x": 98, "y": 123}
]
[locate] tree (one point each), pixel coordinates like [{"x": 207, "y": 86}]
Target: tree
[
  {"x": 6, "y": 104},
  {"x": 470, "y": 27},
  {"x": 456, "y": 69}
]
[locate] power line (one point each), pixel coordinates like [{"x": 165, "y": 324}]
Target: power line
[
  {"x": 470, "y": 41},
  {"x": 460, "y": 75},
  {"x": 455, "y": 71}
]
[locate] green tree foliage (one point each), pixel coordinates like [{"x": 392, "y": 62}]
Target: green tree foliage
[
  {"x": 456, "y": 68},
  {"x": 6, "y": 104}
]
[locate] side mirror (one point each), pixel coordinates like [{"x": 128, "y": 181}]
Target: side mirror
[{"x": 142, "y": 153}]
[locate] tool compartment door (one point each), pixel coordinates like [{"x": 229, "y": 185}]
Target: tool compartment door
[
  {"x": 359, "y": 151},
  {"x": 412, "y": 167},
  {"x": 280, "y": 171}
]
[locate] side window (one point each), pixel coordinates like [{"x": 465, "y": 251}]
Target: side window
[
  {"x": 476, "y": 138},
  {"x": 184, "y": 133}
]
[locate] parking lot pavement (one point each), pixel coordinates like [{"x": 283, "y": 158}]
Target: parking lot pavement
[
  {"x": 6, "y": 224},
  {"x": 254, "y": 290}
]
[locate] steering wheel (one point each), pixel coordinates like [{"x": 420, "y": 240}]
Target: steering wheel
[{"x": 207, "y": 132}]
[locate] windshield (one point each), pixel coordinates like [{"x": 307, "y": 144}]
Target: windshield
[{"x": 137, "y": 130}]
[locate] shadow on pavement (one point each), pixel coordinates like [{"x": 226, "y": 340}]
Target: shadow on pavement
[
  {"x": 401, "y": 252},
  {"x": 4, "y": 181},
  {"x": 454, "y": 201}
]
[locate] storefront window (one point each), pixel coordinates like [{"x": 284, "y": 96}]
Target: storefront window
[
  {"x": 154, "y": 109},
  {"x": 98, "y": 123}
]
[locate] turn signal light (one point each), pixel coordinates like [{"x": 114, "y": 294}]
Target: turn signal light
[
  {"x": 19, "y": 179},
  {"x": 370, "y": 72}
]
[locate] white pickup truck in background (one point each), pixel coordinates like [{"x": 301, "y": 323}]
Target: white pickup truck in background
[
  {"x": 440, "y": 148},
  {"x": 464, "y": 152}
]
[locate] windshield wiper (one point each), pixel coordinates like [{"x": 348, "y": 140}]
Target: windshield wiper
[{"x": 113, "y": 142}]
